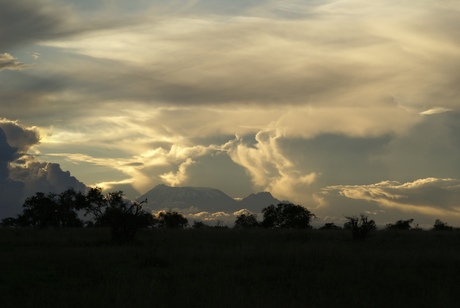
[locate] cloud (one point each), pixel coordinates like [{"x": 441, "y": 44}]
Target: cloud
[
  {"x": 10, "y": 190},
  {"x": 25, "y": 21},
  {"x": 45, "y": 177},
  {"x": 21, "y": 175},
  {"x": 176, "y": 179},
  {"x": 268, "y": 167},
  {"x": 435, "y": 110},
  {"x": 429, "y": 196},
  {"x": 319, "y": 93},
  {"x": 8, "y": 62},
  {"x": 19, "y": 136},
  {"x": 216, "y": 217},
  {"x": 7, "y": 154}
]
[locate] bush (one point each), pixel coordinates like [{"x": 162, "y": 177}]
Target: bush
[
  {"x": 171, "y": 220},
  {"x": 403, "y": 225},
  {"x": 246, "y": 221},
  {"x": 441, "y": 226},
  {"x": 330, "y": 226},
  {"x": 360, "y": 226}
]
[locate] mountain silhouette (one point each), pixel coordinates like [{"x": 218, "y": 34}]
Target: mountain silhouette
[{"x": 205, "y": 199}]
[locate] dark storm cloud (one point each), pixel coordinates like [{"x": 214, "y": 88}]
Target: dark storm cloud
[
  {"x": 19, "y": 136},
  {"x": 340, "y": 158},
  {"x": 429, "y": 149},
  {"x": 45, "y": 177},
  {"x": 20, "y": 174},
  {"x": 25, "y": 21},
  {"x": 10, "y": 190},
  {"x": 7, "y": 154}
]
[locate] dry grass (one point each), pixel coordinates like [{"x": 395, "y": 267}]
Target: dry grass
[{"x": 228, "y": 268}]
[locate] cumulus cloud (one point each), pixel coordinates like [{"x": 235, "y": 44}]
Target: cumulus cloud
[
  {"x": 177, "y": 178},
  {"x": 269, "y": 168},
  {"x": 45, "y": 177},
  {"x": 21, "y": 175},
  {"x": 19, "y": 136},
  {"x": 216, "y": 217}
]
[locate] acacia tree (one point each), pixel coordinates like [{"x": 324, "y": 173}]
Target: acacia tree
[
  {"x": 287, "y": 215},
  {"x": 360, "y": 226},
  {"x": 112, "y": 210},
  {"x": 50, "y": 210}
]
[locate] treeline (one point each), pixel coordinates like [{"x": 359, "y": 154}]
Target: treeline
[{"x": 73, "y": 209}]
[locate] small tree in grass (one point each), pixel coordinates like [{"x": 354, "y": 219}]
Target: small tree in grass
[
  {"x": 441, "y": 226},
  {"x": 199, "y": 225},
  {"x": 246, "y": 221},
  {"x": 402, "y": 225},
  {"x": 171, "y": 220},
  {"x": 360, "y": 226},
  {"x": 330, "y": 226}
]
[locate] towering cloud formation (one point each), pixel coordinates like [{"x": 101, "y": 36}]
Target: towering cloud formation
[
  {"x": 21, "y": 175},
  {"x": 10, "y": 190}
]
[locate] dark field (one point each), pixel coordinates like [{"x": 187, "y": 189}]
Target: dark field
[{"x": 229, "y": 268}]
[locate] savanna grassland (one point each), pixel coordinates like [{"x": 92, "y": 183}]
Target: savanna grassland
[{"x": 228, "y": 268}]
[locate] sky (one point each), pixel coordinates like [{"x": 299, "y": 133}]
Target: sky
[{"x": 344, "y": 107}]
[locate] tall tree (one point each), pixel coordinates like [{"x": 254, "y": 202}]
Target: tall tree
[
  {"x": 112, "y": 210},
  {"x": 287, "y": 215},
  {"x": 50, "y": 210}
]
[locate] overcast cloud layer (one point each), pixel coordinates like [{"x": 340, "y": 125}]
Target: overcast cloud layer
[{"x": 342, "y": 106}]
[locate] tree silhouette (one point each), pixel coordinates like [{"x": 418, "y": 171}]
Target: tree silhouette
[
  {"x": 170, "y": 219},
  {"x": 403, "y": 225},
  {"x": 112, "y": 210},
  {"x": 50, "y": 210},
  {"x": 286, "y": 215},
  {"x": 441, "y": 226},
  {"x": 360, "y": 226},
  {"x": 199, "y": 225},
  {"x": 246, "y": 221},
  {"x": 330, "y": 226}
]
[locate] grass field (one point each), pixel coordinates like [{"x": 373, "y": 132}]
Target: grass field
[{"x": 228, "y": 268}]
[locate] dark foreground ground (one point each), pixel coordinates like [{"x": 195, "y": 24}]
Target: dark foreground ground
[{"x": 229, "y": 268}]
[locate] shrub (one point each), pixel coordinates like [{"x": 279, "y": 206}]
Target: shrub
[
  {"x": 246, "y": 221},
  {"x": 441, "y": 226},
  {"x": 360, "y": 226}
]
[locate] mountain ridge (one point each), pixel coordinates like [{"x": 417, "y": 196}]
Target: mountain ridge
[{"x": 204, "y": 199}]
